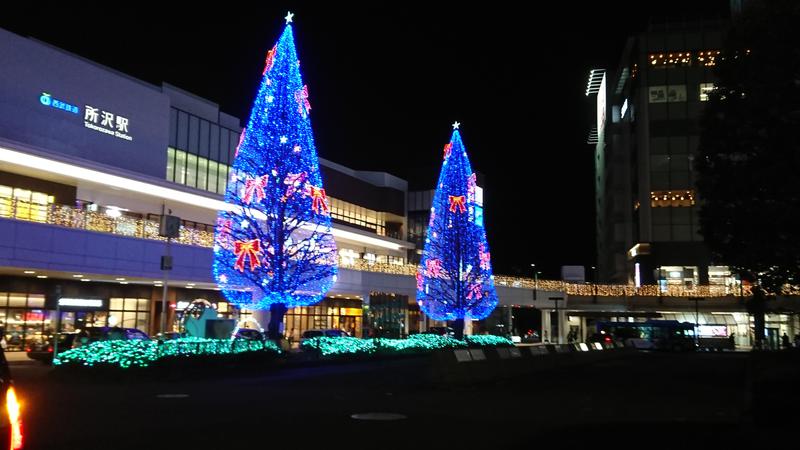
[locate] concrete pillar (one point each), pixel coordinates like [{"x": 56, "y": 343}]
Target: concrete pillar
[
  {"x": 584, "y": 333},
  {"x": 467, "y": 327},
  {"x": 562, "y": 323},
  {"x": 546, "y": 329}
]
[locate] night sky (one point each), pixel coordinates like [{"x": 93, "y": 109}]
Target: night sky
[{"x": 386, "y": 81}]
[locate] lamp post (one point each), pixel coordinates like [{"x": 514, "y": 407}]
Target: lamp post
[
  {"x": 696, "y": 318},
  {"x": 535, "y": 280},
  {"x": 594, "y": 281}
]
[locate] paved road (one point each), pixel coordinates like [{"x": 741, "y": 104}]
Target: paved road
[{"x": 654, "y": 396}]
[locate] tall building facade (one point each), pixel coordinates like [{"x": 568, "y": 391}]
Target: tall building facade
[
  {"x": 90, "y": 159},
  {"x": 645, "y": 141}
]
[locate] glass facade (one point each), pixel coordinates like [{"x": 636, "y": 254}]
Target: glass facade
[
  {"x": 24, "y": 204},
  {"x": 353, "y": 214},
  {"x": 24, "y": 319},
  {"x": 200, "y": 152},
  {"x": 341, "y": 314},
  {"x": 196, "y": 171}
]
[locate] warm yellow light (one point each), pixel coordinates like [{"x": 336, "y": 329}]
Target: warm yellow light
[{"x": 13, "y": 408}]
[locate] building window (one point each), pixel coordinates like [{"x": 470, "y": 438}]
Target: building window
[
  {"x": 668, "y": 94},
  {"x": 677, "y": 276},
  {"x": 195, "y": 171},
  {"x": 721, "y": 277},
  {"x": 705, "y": 89},
  {"x": 661, "y": 199},
  {"x": 23, "y": 204},
  {"x": 350, "y": 213},
  {"x": 129, "y": 313}
]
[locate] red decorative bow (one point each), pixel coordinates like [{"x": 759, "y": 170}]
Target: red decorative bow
[
  {"x": 319, "y": 199},
  {"x": 485, "y": 258},
  {"x": 224, "y": 232},
  {"x": 293, "y": 182},
  {"x": 474, "y": 291},
  {"x": 249, "y": 250},
  {"x": 303, "y": 106},
  {"x": 457, "y": 201},
  {"x": 448, "y": 148},
  {"x": 433, "y": 267},
  {"x": 254, "y": 186},
  {"x": 270, "y": 59},
  {"x": 241, "y": 139}
]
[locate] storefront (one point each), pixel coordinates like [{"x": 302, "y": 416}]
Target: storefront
[{"x": 331, "y": 313}]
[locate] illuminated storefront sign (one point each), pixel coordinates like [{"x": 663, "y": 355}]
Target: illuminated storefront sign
[
  {"x": 81, "y": 302},
  {"x": 94, "y": 118}
]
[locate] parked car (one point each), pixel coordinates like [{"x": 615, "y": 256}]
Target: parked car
[
  {"x": 249, "y": 334},
  {"x": 441, "y": 331},
  {"x": 10, "y": 417},
  {"x": 310, "y": 334},
  {"x": 89, "y": 335},
  {"x": 43, "y": 349},
  {"x": 169, "y": 335}
]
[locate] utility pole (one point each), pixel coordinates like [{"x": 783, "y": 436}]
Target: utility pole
[
  {"x": 696, "y": 319},
  {"x": 169, "y": 227}
]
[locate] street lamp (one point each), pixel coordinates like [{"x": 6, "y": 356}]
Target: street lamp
[
  {"x": 696, "y": 318},
  {"x": 535, "y": 280},
  {"x": 594, "y": 281}
]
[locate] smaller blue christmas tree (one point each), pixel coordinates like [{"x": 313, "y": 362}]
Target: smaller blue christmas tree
[{"x": 454, "y": 278}]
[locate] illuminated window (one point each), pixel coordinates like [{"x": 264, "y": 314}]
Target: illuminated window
[
  {"x": 668, "y": 94},
  {"x": 129, "y": 313},
  {"x": 705, "y": 89},
  {"x": 662, "y": 199},
  {"x": 24, "y": 204},
  {"x": 350, "y": 213},
  {"x": 195, "y": 171}
]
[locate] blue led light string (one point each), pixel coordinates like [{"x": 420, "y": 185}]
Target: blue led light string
[
  {"x": 454, "y": 278},
  {"x": 274, "y": 244}
]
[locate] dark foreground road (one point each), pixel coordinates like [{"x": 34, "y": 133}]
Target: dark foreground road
[{"x": 657, "y": 400}]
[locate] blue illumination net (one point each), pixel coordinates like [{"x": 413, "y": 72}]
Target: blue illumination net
[
  {"x": 274, "y": 243},
  {"x": 454, "y": 278}
]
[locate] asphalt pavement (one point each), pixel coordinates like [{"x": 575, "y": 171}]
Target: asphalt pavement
[{"x": 661, "y": 398}]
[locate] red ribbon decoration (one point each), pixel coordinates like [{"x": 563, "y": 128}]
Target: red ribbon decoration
[
  {"x": 434, "y": 268},
  {"x": 303, "y": 106},
  {"x": 270, "y": 59},
  {"x": 249, "y": 250},
  {"x": 254, "y": 186},
  {"x": 319, "y": 199},
  {"x": 224, "y": 229},
  {"x": 293, "y": 182},
  {"x": 485, "y": 258},
  {"x": 457, "y": 201},
  {"x": 448, "y": 148},
  {"x": 474, "y": 291}
]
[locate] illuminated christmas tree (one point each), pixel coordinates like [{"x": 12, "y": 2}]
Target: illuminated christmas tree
[
  {"x": 273, "y": 246},
  {"x": 454, "y": 278}
]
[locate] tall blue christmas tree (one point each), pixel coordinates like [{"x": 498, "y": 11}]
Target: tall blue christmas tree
[
  {"x": 454, "y": 278},
  {"x": 273, "y": 246}
]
